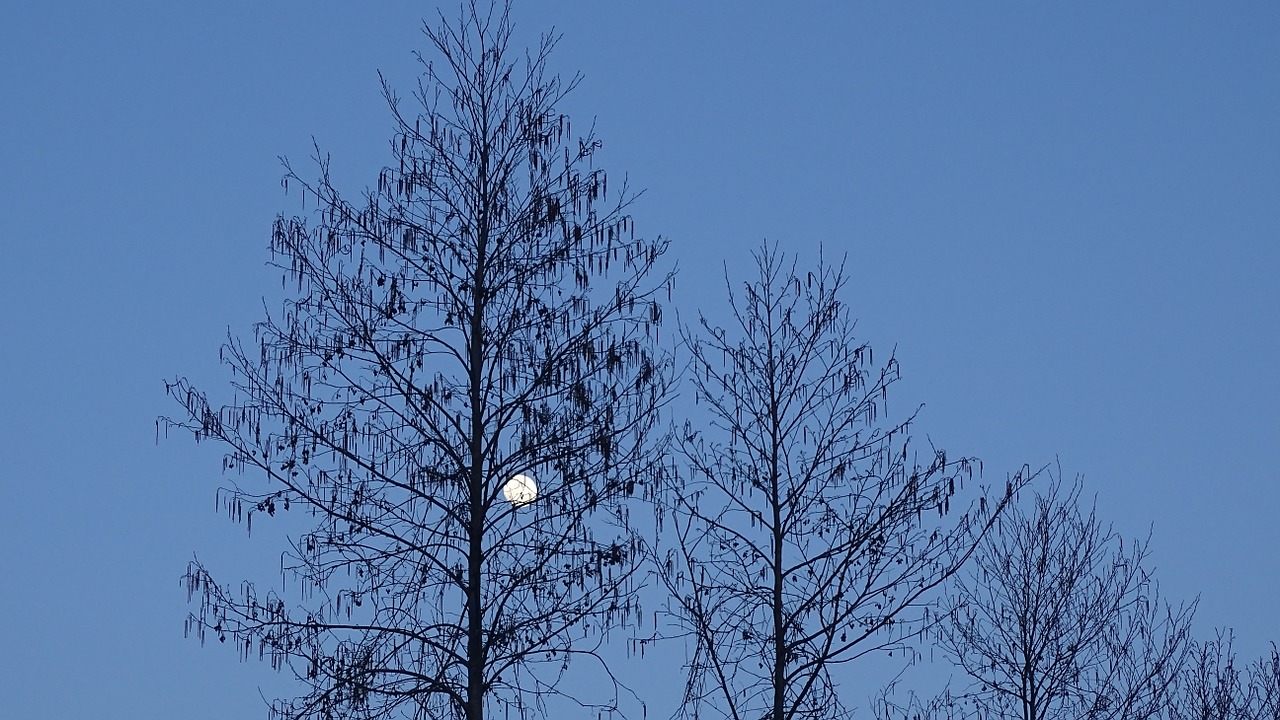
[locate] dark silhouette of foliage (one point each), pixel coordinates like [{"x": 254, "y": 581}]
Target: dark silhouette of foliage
[
  {"x": 487, "y": 310},
  {"x": 1056, "y": 619},
  {"x": 803, "y": 533}
]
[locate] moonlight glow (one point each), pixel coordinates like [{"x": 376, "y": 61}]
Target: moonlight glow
[{"x": 520, "y": 490}]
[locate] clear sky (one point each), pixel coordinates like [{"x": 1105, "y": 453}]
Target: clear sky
[{"x": 1067, "y": 220}]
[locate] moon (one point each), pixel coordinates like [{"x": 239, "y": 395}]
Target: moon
[{"x": 520, "y": 490}]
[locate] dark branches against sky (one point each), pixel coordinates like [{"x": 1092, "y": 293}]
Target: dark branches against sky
[
  {"x": 1215, "y": 686},
  {"x": 1058, "y": 617},
  {"x": 487, "y": 310},
  {"x": 804, "y": 533}
]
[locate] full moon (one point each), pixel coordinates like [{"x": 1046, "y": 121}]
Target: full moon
[{"x": 520, "y": 490}]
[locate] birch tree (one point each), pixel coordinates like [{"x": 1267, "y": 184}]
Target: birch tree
[
  {"x": 1060, "y": 618},
  {"x": 460, "y": 395},
  {"x": 805, "y": 530}
]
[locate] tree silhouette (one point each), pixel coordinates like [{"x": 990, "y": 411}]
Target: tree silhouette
[
  {"x": 486, "y": 311},
  {"x": 1214, "y": 687},
  {"x": 1264, "y": 678},
  {"x": 803, "y": 533},
  {"x": 1056, "y": 619}
]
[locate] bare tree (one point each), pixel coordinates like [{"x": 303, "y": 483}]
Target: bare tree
[
  {"x": 1057, "y": 619},
  {"x": 1264, "y": 679},
  {"x": 804, "y": 533},
  {"x": 1213, "y": 686},
  {"x": 486, "y": 312}
]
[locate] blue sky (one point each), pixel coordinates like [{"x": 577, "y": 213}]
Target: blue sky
[{"x": 1065, "y": 218}]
